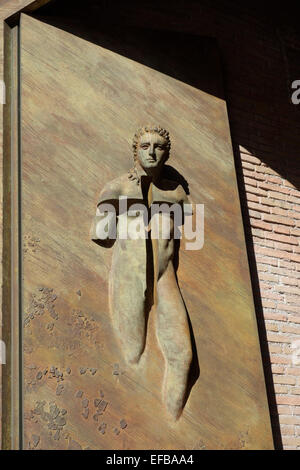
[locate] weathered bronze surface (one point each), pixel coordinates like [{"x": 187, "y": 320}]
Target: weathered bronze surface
[
  {"x": 143, "y": 274},
  {"x": 80, "y": 103}
]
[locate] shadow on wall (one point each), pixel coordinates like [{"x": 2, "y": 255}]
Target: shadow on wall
[{"x": 258, "y": 68}]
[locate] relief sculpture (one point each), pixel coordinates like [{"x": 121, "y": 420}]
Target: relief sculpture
[{"x": 145, "y": 253}]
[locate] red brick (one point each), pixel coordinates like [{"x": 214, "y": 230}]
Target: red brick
[
  {"x": 296, "y": 207},
  {"x": 284, "y": 379},
  {"x": 294, "y": 319},
  {"x": 266, "y": 170},
  {"x": 265, "y": 286},
  {"x": 273, "y": 253},
  {"x": 259, "y": 207},
  {"x": 284, "y": 410},
  {"x": 275, "y": 359},
  {"x": 275, "y": 315},
  {"x": 268, "y": 304},
  {"x": 243, "y": 150},
  {"x": 249, "y": 158},
  {"x": 289, "y": 265},
  {"x": 288, "y": 400},
  {"x": 287, "y": 430},
  {"x": 279, "y": 338},
  {"x": 252, "y": 197},
  {"x": 257, "y": 232},
  {"x": 263, "y": 242},
  {"x": 270, "y": 326},
  {"x": 293, "y": 371},
  {"x": 248, "y": 165},
  {"x": 292, "y": 441},
  {"x": 270, "y": 295},
  {"x": 294, "y": 214},
  {"x": 279, "y": 211},
  {"x": 282, "y": 271},
  {"x": 259, "y": 176},
  {"x": 289, "y": 419},
  {"x": 288, "y": 308},
  {"x": 251, "y": 188},
  {"x": 269, "y": 277},
  {"x": 266, "y": 260},
  {"x": 281, "y": 389},
  {"x": 274, "y": 179},
  {"x": 293, "y": 299},
  {"x": 283, "y": 246},
  {"x": 262, "y": 267},
  {"x": 290, "y": 281},
  {"x": 276, "y": 195},
  {"x": 275, "y": 203},
  {"x": 255, "y": 214},
  {"x": 281, "y": 229},
  {"x": 248, "y": 173},
  {"x": 275, "y": 188},
  {"x": 288, "y": 184},
  {"x": 295, "y": 231},
  {"x": 277, "y": 253},
  {"x": 282, "y": 238},
  {"x": 287, "y": 328},
  {"x": 275, "y": 348},
  {"x": 277, "y": 219},
  {"x": 289, "y": 289},
  {"x": 260, "y": 224},
  {"x": 293, "y": 199},
  {"x": 249, "y": 181}
]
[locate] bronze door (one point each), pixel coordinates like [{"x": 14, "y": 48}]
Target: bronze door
[{"x": 81, "y": 103}]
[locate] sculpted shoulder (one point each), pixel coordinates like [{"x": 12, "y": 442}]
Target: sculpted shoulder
[
  {"x": 121, "y": 186},
  {"x": 170, "y": 191}
]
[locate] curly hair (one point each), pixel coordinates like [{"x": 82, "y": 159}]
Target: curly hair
[{"x": 133, "y": 175}]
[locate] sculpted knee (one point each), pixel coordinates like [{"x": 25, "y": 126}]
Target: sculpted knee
[
  {"x": 186, "y": 357},
  {"x": 181, "y": 359},
  {"x": 133, "y": 352}
]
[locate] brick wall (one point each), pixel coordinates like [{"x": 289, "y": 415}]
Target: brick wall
[
  {"x": 265, "y": 132},
  {"x": 274, "y": 210}
]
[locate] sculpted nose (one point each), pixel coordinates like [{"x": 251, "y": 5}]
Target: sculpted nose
[{"x": 151, "y": 151}]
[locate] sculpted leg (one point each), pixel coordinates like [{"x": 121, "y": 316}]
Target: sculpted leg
[
  {"x": 128, "y": 311},
  {"x": 174, "y": 338}
]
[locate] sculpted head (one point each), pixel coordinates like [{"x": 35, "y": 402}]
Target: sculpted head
[{"x": 151, "y": 147}]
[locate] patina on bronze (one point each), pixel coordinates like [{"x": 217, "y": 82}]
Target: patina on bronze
[{"x": 142, "y": 272}]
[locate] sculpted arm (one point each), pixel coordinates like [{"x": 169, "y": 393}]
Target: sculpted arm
[{"x": 104, "y": 225}]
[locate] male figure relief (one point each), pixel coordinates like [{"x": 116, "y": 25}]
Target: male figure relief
[{"x": 142, "y": 271}]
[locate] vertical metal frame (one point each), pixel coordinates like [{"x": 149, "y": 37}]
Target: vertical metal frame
[
  {"x": 11, "y": 330},
  {"x": 12, "y": 371}
]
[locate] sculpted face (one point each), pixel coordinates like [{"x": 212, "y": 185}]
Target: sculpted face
[{"x": 152, "y": 150}]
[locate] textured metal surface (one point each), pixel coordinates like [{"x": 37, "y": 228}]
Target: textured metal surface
[{"x": 80, "y": 104}]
